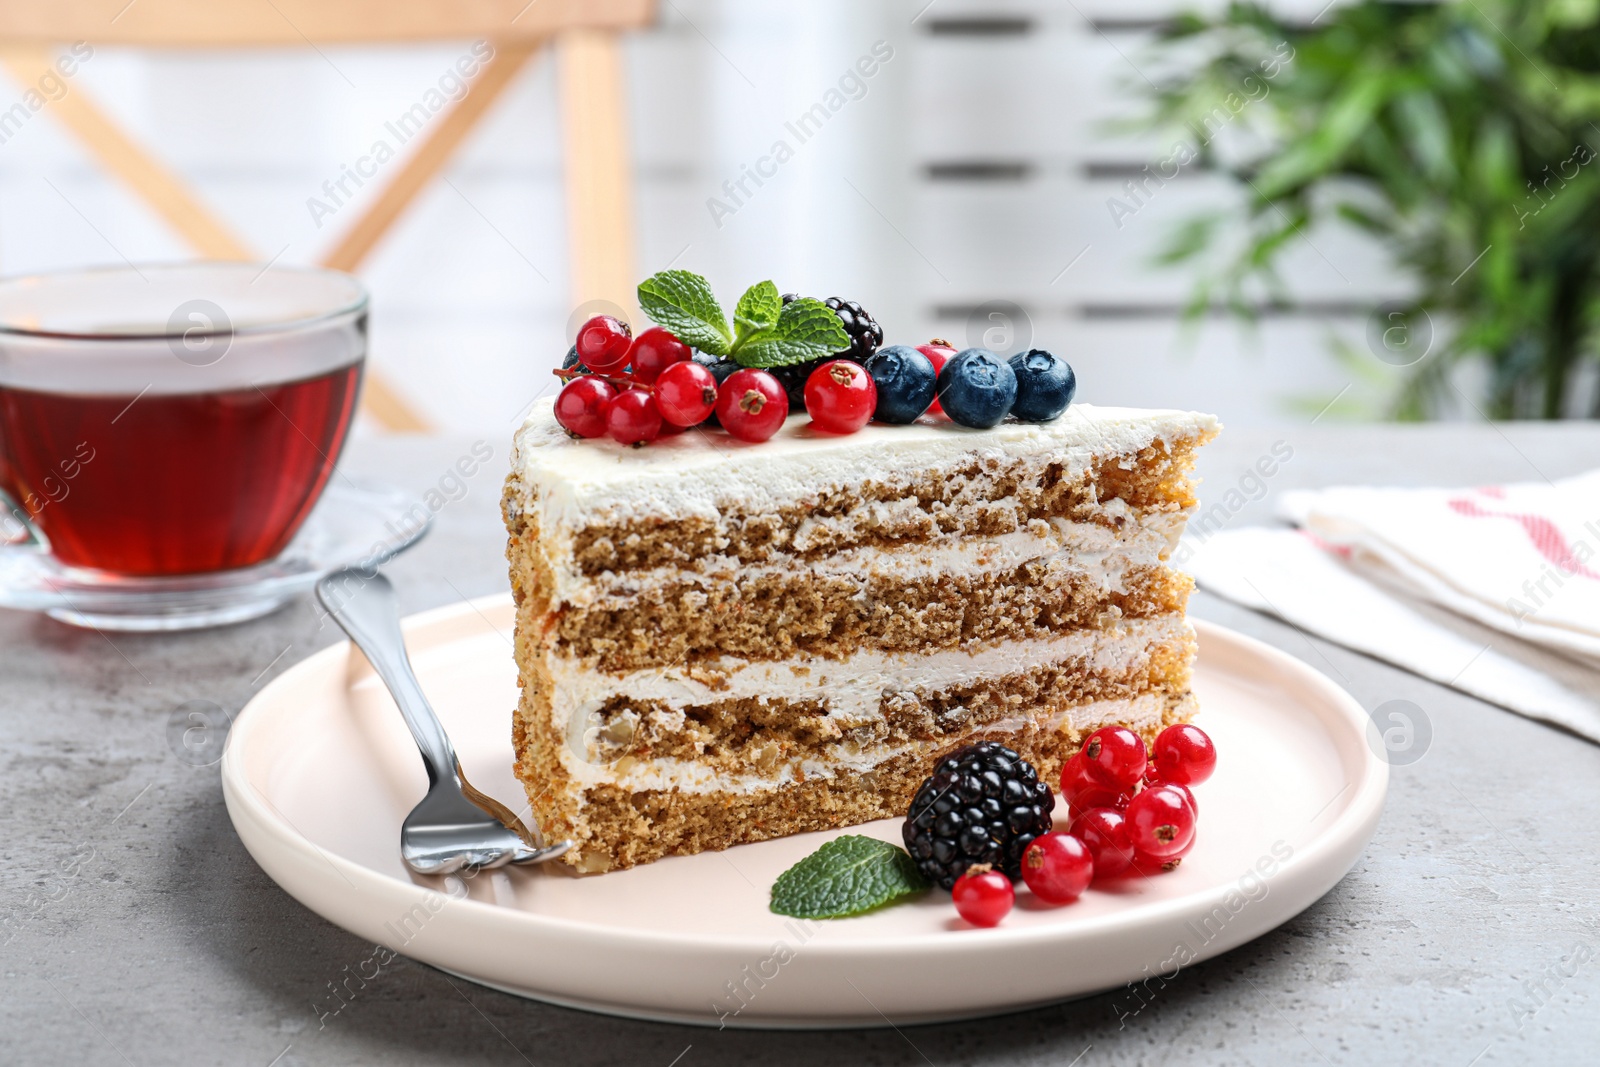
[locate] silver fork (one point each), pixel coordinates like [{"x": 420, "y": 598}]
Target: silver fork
[{"x": 455, "y": 825}]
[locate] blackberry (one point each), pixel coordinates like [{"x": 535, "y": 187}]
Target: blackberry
[
  {"x": 793, "y": 379},
  {"x": 865, "y": 334},
  {"x": 572, "y": 362},
  {"x": 983, "y": 804},
  {"x": 865, "y": 337}
]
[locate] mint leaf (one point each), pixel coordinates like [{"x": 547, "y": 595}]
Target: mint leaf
[
  {"x": 847, "y": 876},
  {"x": 758, "y": 309},
  {"x": 806, "y": 329},
  {"x": 682, "y": 301}
]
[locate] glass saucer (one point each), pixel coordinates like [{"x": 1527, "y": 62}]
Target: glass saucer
[{"x": 354, "y": 522}]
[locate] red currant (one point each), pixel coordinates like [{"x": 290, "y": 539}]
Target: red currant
[
  {"x": 1160, "y": 822},
  {"x": 1115, "y": 756},
  {"x": 653, "y": 352},
  {"x": 982, "y": 894},
  {"x": 1057, "y": 867},
  {"x": 581, "y": 407},
  {"x": 1183, "y": 754},
  {"x": 632, "y": 418},
  {"x": 686, "y": 393},
  {"x": 1187, "y": 794},
  {"x": 1082, "y": 791},
  {"x": 752, "y": 405},
  {"x": 603, "y": 344},
  {"x": 1145, "y": 864},
  {"x": 937, "y": 350},
  {"x": 840, "y": 396},
  {"x": 1104, "y": 832}
]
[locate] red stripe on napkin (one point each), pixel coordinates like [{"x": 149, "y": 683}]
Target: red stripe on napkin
[{"x": 1547, "y": 539}]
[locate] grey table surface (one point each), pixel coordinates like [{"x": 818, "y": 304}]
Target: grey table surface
[{"x": 137, "y": 929}]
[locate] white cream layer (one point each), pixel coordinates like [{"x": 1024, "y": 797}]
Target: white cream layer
[
  {"x": 852, "y": 689},
  {"x": 695, "y": 474},
  {"x": 687, "y": 776},
  {"x": 1104, "y": 552}
]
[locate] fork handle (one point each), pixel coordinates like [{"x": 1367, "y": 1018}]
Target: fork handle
[{"x": 364, "y": 606}]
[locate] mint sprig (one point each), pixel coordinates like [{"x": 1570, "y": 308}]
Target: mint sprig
[
  {"x": 767, "y": 332},
  {"x": 806, "y": 329},
  {"x": 758, "y": 309},
  {"x": 684, "y": 303},
  {"x": 847, "y": 876}
]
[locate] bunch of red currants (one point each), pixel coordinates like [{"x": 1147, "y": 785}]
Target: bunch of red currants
[
  {"x": 635, "y": 389},
  {"x": 1133, "y": 813}
]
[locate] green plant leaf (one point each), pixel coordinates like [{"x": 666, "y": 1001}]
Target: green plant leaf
[
  {"x": 758, "y": 309},
  {"x": 1461, "y": 137},
  {"x": 1190, "y": 238},
  {"x": 1427, "y": 130},
  {"x": 683, "y": 302},
  {"x": 1323, "y": 150},
  {"x": 847, "y": 876},
  {"x": 806, "y": 329}
]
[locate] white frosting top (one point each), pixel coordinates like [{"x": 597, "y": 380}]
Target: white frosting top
[{"x": 583, "y": 482}]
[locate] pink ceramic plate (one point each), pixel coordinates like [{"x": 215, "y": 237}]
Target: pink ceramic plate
[{"x": 319, "y": 772}]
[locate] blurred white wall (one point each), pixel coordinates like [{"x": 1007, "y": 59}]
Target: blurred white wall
[{"x": 974, "y": 166}]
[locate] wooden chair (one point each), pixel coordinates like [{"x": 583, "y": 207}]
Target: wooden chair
[{"x": 583, "y": 33}]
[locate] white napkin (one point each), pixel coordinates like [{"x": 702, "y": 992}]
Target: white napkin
[
  {"x": 1520, "y": 558},
  {"x": 1494, "y": 591}
]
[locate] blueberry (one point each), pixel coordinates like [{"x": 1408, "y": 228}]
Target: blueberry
[
  {"x": 571, "y": 362},
  {"x": 720, "y": 369},
  {"x": 977, "y": 388},
  {"x": 1045, "y": 385},
  {"x": 905, "y": 381}
]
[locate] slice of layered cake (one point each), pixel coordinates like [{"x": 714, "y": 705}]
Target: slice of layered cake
[{"x": 721, "y": 642}]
